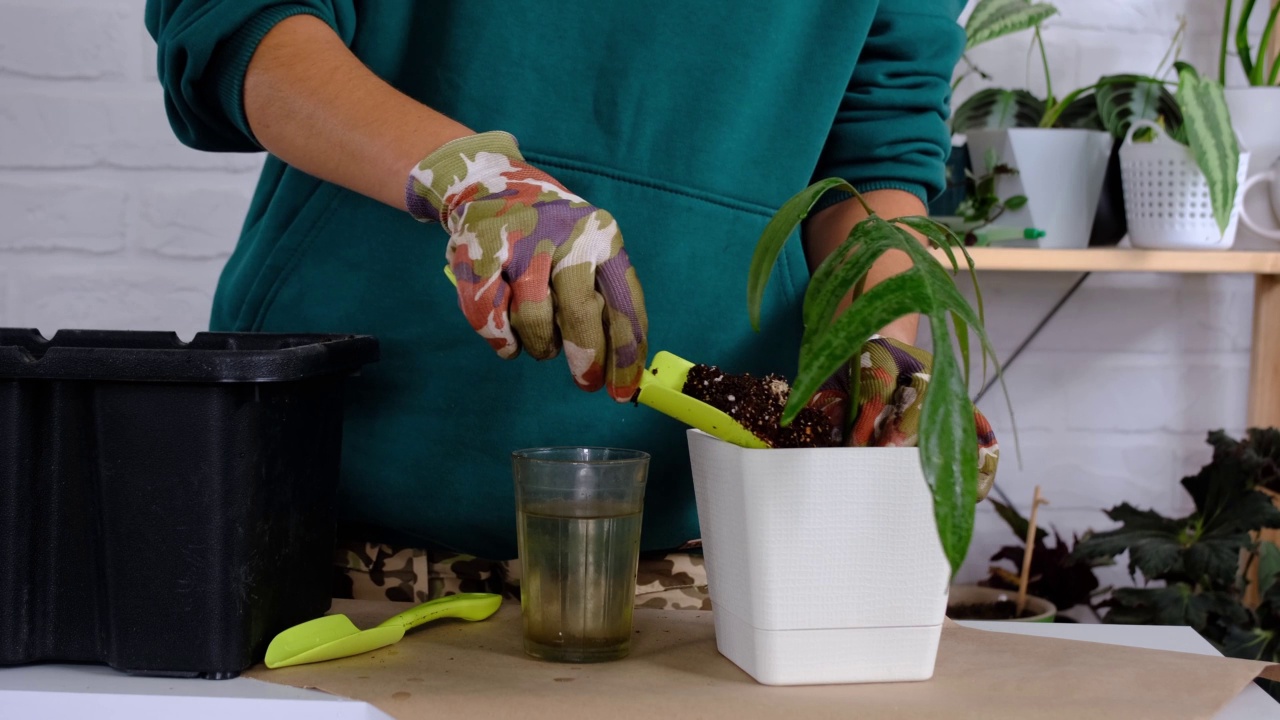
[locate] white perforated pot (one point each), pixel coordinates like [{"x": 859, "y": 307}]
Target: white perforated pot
[
  {"x": 1166, "y": 197},
  {"x": 824, "y": 565}
]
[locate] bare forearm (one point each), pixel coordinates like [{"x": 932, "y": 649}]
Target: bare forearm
[
  {"x": 314, "y": 105},
  {"x": 825, "y": 232}
]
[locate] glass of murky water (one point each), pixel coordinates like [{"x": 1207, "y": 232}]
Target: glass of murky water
[{"x": 579, "y": 512}]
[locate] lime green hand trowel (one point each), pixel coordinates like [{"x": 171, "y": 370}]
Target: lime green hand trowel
[
  {"x": 335, "y": 636},
  {"x": 661, "y": 388}
]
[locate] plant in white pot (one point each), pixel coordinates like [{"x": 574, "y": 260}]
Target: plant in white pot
[
  {"x": 832, "y": 564},
  {"x": 1183, "y": 184},
  {"x": 1057, "y": 146},
  {"x": 1254, "y": 100},
  {"x": 990, "y": 20},
  {"x": 1255, "y": 104}
]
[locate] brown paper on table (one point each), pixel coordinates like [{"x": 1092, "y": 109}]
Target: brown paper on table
[{"x": 452, "y": 669}]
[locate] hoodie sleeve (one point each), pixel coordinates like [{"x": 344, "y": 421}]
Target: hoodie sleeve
[
  {"x": 891, "y": 129},
  {"x": 203, "y": 50}
]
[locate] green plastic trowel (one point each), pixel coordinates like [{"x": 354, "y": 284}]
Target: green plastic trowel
[
  {"x": 661, "y": 388},
  {"x": 335, "y": 636}
]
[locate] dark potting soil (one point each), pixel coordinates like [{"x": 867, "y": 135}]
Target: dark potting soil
[
  {"x": 757, "y": 404},
  {"x": 1000, "y": 610}
]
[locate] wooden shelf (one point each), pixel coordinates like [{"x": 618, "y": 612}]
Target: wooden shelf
[{"x": 1119, "y": 259}]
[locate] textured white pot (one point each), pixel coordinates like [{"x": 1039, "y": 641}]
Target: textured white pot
[
  {"x": 1255, "y": 114},
  {"x": 1166, "y": 197},
  {"x": 824, "y": 565},
  {"x": 1060, "y": 171}
]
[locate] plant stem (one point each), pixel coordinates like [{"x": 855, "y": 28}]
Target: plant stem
[
  {"x": 1044, "y": 60},
  {"x": 1242, "y": 40},
  {"x": 1175, "y": 47},
  {"x": 1264, "y": 46},
  {"x": 972, "y": 70},
  {"x": 1222, "y": 51}
]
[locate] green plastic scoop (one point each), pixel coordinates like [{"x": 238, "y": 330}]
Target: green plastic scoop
[
  {"x": 335, "y": 636},
  {"x": 661, "y": 388}
]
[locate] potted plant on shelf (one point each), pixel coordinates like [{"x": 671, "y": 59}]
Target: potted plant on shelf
[
  {"x": 1253, "y": 96},
  {"x": 1256, "y": 104},
  {"x": 1056, "y": 145},
  {"x": 990, "y": 19},
  {"x": 832, "y": 564}
]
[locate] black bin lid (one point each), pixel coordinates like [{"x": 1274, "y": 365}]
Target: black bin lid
[{"x": 162, "y": 357}]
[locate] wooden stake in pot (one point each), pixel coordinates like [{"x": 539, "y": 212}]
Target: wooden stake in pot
[{"x": 1036, "y": 502}]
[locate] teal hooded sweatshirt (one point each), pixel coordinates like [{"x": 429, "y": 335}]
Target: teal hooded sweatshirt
[{"x": 691, "y": 122}]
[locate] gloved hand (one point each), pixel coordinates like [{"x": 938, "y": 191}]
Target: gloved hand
[
  {"x": 536, "y": 265},
  {"x": 893, "y": 377}
]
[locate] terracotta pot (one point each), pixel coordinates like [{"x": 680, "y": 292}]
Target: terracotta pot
[{"x": 976, "y": 594}]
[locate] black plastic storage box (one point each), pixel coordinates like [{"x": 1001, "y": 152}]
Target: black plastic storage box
[{"x": 166, "y": 508}]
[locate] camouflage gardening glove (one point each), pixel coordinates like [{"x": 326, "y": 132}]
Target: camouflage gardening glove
[
  {"x": 893, "y": 377},
  {"x": 536, "y": 265}
]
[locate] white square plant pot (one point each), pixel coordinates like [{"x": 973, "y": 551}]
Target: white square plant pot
[{"x": 824, "y": 564}]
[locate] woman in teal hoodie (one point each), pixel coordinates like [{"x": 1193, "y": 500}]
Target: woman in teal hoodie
[{"x": 392, "y": 130}]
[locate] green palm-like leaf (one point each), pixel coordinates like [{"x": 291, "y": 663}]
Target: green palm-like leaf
[
  {"x": 1211, "y": 138},
  {"x": 949, "y": 450},
  {"x": 775, "y": 236},
  {"x": 834, "y": 276},
  {"x": 996, "y": 109},
  {"x": 991, "y": 19},
  {"x": 825, "y": 351},
  {"x": 942, "y": 236},
  {"x": 945, "y": 238},
  {"x": 1124, "y": 99}
]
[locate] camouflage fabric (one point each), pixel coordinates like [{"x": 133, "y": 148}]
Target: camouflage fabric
[
  {"x": 371, "y": 571},
  {"x": 536, "y": 266},
  {"x": 893, "y": 378}
]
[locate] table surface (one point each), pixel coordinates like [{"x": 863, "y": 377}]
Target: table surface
[{"x": 74, "y": 691}]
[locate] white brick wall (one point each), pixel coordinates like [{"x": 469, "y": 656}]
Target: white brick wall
[{"x": 107, "y": 221}]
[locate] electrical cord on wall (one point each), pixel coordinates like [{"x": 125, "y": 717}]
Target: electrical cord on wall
[{"x": 1013, "y": 357}]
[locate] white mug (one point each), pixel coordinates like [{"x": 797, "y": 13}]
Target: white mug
[{"x": 1272, "y": 178}]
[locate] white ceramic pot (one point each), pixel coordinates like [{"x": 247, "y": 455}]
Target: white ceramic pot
[
  {"x": 1060, "y": 171},
  {"x": 1264, "y": 225},
  {"x": 824, "y": 565},
  {"x": 1254, "y": 113}
]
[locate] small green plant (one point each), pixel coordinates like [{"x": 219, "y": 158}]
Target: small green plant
[
  {"x": 1254, "y": 66},
  {"x": 983, "y": 205},
  {"x": 1056, "y": 575},
  {"x": 947, "y": 436},
  {"x": 1192, "y": 566}
]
